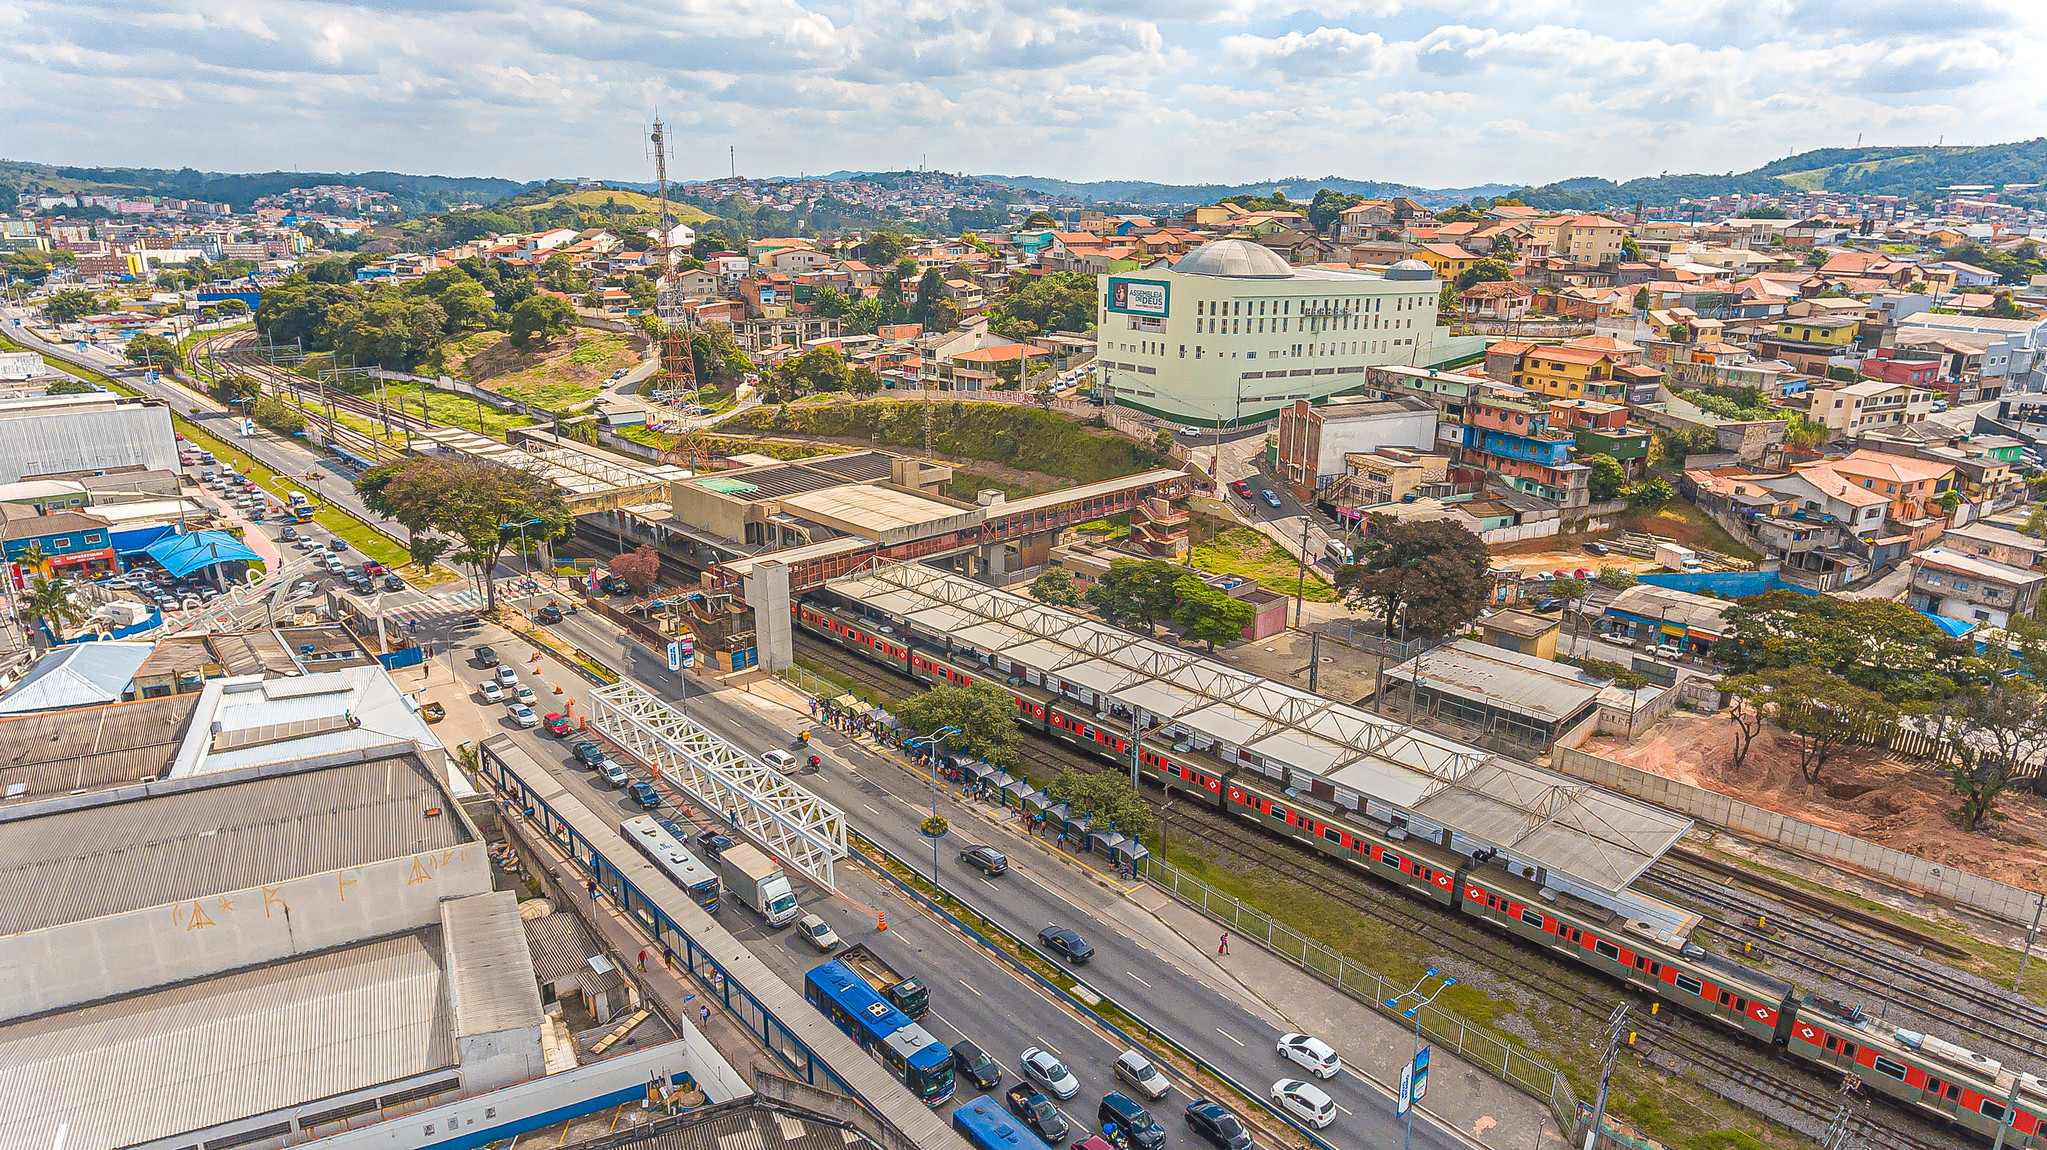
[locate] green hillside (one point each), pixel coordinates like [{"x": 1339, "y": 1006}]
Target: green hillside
[
  {"x": 412, "y": 193},
  {"x": 1865, "y": 171}
]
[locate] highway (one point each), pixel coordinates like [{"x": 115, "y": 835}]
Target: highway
[{"x": 886, "y": 801}]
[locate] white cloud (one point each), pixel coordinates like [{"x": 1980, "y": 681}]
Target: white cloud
[{"x": 1442, "y": 92}]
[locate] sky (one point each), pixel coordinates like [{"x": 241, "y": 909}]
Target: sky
[{"x": 1446, "y": 94}]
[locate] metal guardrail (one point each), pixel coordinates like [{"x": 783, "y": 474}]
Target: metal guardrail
[
  {"x": 1444, "y": 1028},
  {"x": 976, "y": 933}
]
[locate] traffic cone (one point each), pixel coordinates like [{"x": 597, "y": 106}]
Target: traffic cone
[
  {"x": 557, "y": 690},
  {"x": 881, "y": 920}
]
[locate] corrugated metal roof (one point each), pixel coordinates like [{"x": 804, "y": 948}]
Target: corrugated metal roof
[
  {"x": 57, "y": 752},
  {"x": 490, "y": 971},
  {"x": 276, "y": 1036},
  {"x": 77, "y": 675},
  {"x": 747, "y": 1126},
  {"x": 1507, "y": 680},
  {"x": 559, "y": 946},
  {"x": 103, "y": 860}
]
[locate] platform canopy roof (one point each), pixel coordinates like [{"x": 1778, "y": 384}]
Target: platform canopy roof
[
  {"x": 1598, "y": 840},
  {"x": 183, "y": 554}
]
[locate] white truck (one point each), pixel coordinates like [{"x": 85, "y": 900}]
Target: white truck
[
  {"x": 1677, "y": 558},
  {"x": 757, "y": 881}
]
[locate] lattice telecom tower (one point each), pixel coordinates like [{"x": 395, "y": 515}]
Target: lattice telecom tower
[{"x": 678, "y": 366}]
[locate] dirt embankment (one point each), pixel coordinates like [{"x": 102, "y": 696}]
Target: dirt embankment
[{"x": 1907, "y": 806}]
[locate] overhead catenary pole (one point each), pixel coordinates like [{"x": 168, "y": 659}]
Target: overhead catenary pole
[{"x": 1616, "y": 1030}]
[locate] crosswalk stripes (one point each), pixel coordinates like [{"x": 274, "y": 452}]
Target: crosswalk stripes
[{"x": 425, "y": 609}]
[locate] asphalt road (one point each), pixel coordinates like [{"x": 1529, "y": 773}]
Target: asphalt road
[{"x": 886, "y": 802}]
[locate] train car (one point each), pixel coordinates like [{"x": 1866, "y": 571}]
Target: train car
[
  {"x": 1957, "y": 1083},
  {"x": 917, "y": 1060},
  {"x": 661, "y": 842},
  {"x": 1921, "y": 1071},
  {"x": 987, "y": 1126}
]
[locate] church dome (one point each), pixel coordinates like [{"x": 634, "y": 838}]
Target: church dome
[
  {"x": 1236, "y": 259},
  {"x": 1410, "y": 270}
]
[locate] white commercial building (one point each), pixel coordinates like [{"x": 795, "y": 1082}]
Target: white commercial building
[
  {"x": 21, "y": 365},
  {"x": 64, "y": 434},
  {"x": 1231, "y": 332}
]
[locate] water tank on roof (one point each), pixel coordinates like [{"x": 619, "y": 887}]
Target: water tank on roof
[{"x": 1410, "y": 270}]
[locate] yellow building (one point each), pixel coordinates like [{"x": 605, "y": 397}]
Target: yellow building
[
  {"x": 1448, "y": 261},
  {"x": 1568, "y": 372},
  {"x": 1828, "y": 331},
  {"x": 1581, "y": 239}
]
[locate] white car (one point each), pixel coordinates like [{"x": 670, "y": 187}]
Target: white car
[
  {"x": 779, "y": 760},
  {"x": 1191, "y": 432},
  {"x": 1669, "y": 651},
  {"x": 304, "y": 587},
  {"x": 1304, "y": 1102},
  {"x": 492, "y": 693},
  {"x": 523, "y": 693},
  {"x": 522, "y": 714},
  {"x": 507, "y": 675},
  {"x": 1143, "y": 1077},
  {"x": 1047, "y": 1071},
  {"x": 1310, "y": 1054},
  {"x": 817, "y": 932}
]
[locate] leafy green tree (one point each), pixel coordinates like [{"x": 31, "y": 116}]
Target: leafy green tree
[
  {"x": 274, "y": 416},
  {"x": 426, "y": 550},
  {"x": 864, "y": 381},
  {"x": 1823, "y": 713},
  {"x": 1642, "y": 299},
  {"x": 1748, "y": 706},
  {"x": 71, "y": 306},
  {"x": 1039, "y": 220},
  {"x": 388, "y": 329},
  {"x": 1106, "y": 797},
  {"x": 829, "y": 302},
  {"x": 819, "y": 369},
  {"x": 1618, "y": 578},
  {"x": 1485, "y": 271},
  {"x": 1430, "y": 576},
  {"x": 1630, "y": 250},
  {"x": 1651, "y": 493},
  {"x": 2002, "y": 307},
  {"x": 52, "y": 601},
  {"x": 864, "y": 317},
  {"x": 66, "y": 385},
  {"x": 983, "y": 715},
  {"x": 1503, "y": 247},
  {"x": 1058, "y": 301},
  {"x": 718, "y": 358},
  {"x": 541, "y": 316},
  {"x": 1607, "y": 478},
  {"x": 886, "y": 248},
  {"x": 1137, "y": 591},
  {"x": 478, "y": 503},
  {"x": 1056, "y": 587},
  {"x": 1207, "y": 615},
  {"x": 28, "y": 267},
  {"x": 1878, "y": 645},
  {"x": 156, "y": 351},
  {"x": 714, "y": 240},
  {"x": 1327, "y": 205}
]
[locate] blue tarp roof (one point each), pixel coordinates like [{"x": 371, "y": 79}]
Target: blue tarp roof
[
  {"x": 183, "y": 554},
  {"x": 1954, "y": 627}
]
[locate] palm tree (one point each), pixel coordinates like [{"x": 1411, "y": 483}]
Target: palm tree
[
  {"x": 51, "y": 599},
  {"x": 33, "y": 558}
]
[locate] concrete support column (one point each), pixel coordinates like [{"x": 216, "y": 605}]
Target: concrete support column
[{"x": 767, "y": 592}]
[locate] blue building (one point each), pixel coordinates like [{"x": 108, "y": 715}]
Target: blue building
[{"x": 74, "y": 544}]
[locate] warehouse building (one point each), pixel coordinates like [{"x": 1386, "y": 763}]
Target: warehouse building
[
  {"x": 89, "y": 434},
  {"x": 1232, "y": 333}
]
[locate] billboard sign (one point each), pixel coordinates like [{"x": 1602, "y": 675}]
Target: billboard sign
[{"x": 1138, "y": 297}]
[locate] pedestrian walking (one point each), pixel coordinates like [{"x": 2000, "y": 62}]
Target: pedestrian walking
[
  {"x": 1224, "y": 947},
  {"x": 667, "y": 955},
  {"x": 593, "y": 890},
  {"x": 704, "y": 1012},
  {"x": 643, "y": 960}
]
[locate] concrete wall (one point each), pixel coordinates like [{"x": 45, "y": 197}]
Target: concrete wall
[
  {"x": 119, "y": 954},
  {"x": 767, "y": 592},
  {"x": 1415, "y": 429},
  {"x": 2009, "y": 903}
]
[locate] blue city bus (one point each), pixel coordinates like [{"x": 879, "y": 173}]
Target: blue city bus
[
  {"x": 917, "y": 1060},
  {"x": 661, "y": 842},
  {"x": 987, "y": 1126}
]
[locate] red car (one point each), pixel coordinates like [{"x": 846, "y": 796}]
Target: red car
[
  {"x": 373, "y": 568},
  {"x": 558, "y": 725},
  {"x": 1242, "y": 487},
  {"x": 1586, "y": 573}
]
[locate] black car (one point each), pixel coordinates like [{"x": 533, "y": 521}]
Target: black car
[
  {"x": 337, "y": 546},
  {"x": 980, "y": 1069},
  {"x": 987, "y": 860},
  {"x": 289, "y": 535},
  {"x": 549, "y": 614},
  {"x": 713, "y": 842},
  {"x": 1217, "y": 1125},
  {"x": 393, "y": 583},
  {"x": 1135, "y": 1127},
  {"x": 486, "y": 656},
  {"x": 588, "y": 755},
  {"x": 1066, "y": 942}
]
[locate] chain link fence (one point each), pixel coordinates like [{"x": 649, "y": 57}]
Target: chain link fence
[{"x": 1442, "y": 1027}]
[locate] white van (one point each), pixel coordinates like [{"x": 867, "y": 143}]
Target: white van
[{"x": 1338, "y": 551}]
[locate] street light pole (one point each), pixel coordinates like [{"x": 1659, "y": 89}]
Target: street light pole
[
  {"x": 936, "y": 738},
  {"x": 1415, "y": 1012}
]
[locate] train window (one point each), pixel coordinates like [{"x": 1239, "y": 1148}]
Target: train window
[
  {"x": 1390, "y": 859},
  {"x": 1933, "y": 1085},
  {"x": 1532, "y": 917},
  {"x": 1578, "y": 936},
  {"x": 1726, "y": 998},
  {"x": 1641, "y": 963},
  {"x": 1741, "y": 1004},
  {"x": 1848, "y": 1050},
  {"x": 1606, "y": 950},
  {"x": 1897, "y": 1070},
  {"x": 1690, "y": 985},
  {"x": 1992, "y": 1108},
  {"x": 1656, "y": 970}
]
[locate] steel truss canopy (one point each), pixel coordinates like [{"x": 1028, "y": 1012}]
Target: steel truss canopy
[
  {"x": 799, "y": 828},
  {"x": 1587, "y": 839}
]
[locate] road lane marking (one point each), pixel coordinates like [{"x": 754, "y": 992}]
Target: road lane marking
[
  {"x": 963, "y": 982},
  {"x": 1345, "y": 1109},
  {"x": 1228, "y": 1035},
  {"x": 870, "y": 810},
  {"x": 989, "y": 885},
  {"x": 1050, "y": 1047},
  {"x": 948, "y": 1025},
  {"x": 1147, "y": 984}
]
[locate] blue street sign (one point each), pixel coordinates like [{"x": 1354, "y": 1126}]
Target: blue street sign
[{"x": 674, "y": 656}]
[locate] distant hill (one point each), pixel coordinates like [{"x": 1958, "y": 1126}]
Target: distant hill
[
  {"x": 1864, "y": 171},
  {"x": 412, "y": 193},
  {"x": 1302, "y": 188},
  {"x": 607, "y": 200}
]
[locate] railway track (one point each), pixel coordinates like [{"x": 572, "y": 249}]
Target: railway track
[
  {"x": 1884, "y": 975},
  {"x": 1726, "y": 1064}
]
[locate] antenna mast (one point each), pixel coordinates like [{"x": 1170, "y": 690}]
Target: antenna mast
[{"x": 678, "y": 367}]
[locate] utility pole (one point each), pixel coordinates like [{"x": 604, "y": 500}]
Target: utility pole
[
  {"x": 2031, "y": 933},
  {"x": 1136, "y": 733},
  {"x": 1314, "y": 661},
  {"x": 1616, "y": 1032},
  {"x": 1301, "y": 582}
]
